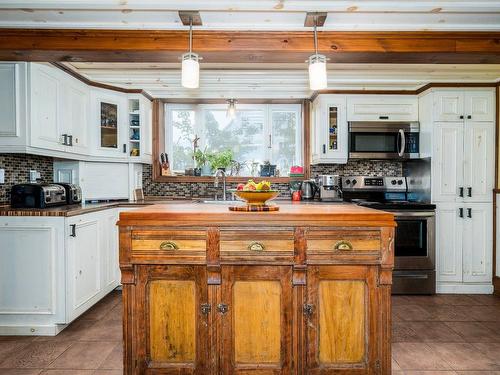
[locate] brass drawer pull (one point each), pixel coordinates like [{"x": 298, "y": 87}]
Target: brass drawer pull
[
  {"x": 169, "y": 245},
  {"x": 256, "y": 246},
  {"x": 343, "y": 245}
]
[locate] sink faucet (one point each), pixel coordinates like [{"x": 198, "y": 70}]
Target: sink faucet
[{"x": 218, "y": 173}]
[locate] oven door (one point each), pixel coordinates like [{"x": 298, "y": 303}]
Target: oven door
[
  {"x": 368, "y": 140},
  {"x": 414, "y": 247}
]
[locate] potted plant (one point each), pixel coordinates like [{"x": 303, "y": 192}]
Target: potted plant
[
  {"x": 221, "y": 160},
  {"x": 201, "y": 160}
]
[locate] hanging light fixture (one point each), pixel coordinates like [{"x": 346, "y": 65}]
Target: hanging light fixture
[
  {"x": 231, "y": 108},
  {"x": 190, "y": 61},
  {"x": 318, "y": 79}
]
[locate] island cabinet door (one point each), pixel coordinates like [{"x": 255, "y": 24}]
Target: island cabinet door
[
  {"x": 172, "y": 322},
  {"x": 341, "y": 322},
  {"x": 256, "y": 318}
]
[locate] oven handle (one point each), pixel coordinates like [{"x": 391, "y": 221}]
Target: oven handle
[
  {"x": 400, "y": 214},
  {"x": 410, "y": 275},
  {"x": 403, "y": 142}
]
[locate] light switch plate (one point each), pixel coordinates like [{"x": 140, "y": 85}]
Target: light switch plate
[{"x": 2, "y": 176}]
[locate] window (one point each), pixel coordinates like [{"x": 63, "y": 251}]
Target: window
[{"x": 258, "y": 134}]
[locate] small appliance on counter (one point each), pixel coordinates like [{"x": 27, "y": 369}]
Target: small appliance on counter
[
  {"x": 414, "y": 243},
  {"x": 73, "y": 192},
  {"x": 309, "y": 189},
  {"x": 330, "y": 188},
  {"x": 37, "y": 195}
]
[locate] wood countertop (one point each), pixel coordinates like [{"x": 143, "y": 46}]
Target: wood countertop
[{"x": 346, "y": 214}]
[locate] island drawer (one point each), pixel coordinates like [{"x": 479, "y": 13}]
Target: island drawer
[
  {"x": 256, "y": 242},
  {"x": 169, "y": 241},
  {"x": 343, "y": 241}
]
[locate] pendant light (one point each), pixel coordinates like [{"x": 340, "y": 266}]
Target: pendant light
[
  {"x": 231, "y": 108},
  {"x": 318, "y": 79},
  {"x": 190, "y": 61}
]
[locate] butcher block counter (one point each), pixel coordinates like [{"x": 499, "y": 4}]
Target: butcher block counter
[{"x": 303, "y": 290}]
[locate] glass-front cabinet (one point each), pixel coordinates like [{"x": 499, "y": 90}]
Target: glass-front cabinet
[{"x": 329, "y": 130}]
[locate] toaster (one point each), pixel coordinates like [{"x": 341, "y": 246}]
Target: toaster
[
  {"x": 73, "y": 192},
  {"x": 37, "y": 196}
]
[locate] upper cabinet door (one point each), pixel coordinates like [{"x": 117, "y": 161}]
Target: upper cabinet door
[
  {"x": 342, "y": 330},
  {"x": 75, "y": 117},
  {"x": 479, "y": 161},
  {"x": 9, "y": 96},
  {"x": 46, "y": 125},
  {"x": 382, "y": 108},
  {"x": 174, "y": 330},
  {"x": 256, "y": 315},
  {"x": 479, "y": 105},
  {"x": 449, "y": 106},
  {"x": 447, "y": 162}
]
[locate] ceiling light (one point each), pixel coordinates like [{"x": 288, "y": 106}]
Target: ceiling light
[
  {"x": 231, "y": 108},
  {"x": 190, "y": 60},
  {"x": 318, "y": 79}
]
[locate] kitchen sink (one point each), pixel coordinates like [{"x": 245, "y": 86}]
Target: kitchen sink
[{"x": 221, "y": 202}]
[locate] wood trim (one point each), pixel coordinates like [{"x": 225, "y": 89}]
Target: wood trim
[
  {"x": 224, "y": 101},
  {"x": 158, "y": 137},
  {"x": 496, "y": 285},
  {"x": 89, "y": 82},
  {"x": 249, "y": 46},
  {"x": 406, "y": 92},
  {"x": 306, "y": 137},
  {"x": 494, "y": 252}
]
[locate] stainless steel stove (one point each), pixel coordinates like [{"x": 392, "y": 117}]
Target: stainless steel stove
[{"x": 414, "y": 245}]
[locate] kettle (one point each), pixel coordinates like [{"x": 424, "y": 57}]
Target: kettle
[{"x": 309, "y": 189}]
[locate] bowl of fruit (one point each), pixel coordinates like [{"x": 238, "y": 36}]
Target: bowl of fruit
[{"x": 256, "y": 194}]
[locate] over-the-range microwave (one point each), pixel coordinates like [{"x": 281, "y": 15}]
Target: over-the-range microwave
[{"x": 383, "y": 140}]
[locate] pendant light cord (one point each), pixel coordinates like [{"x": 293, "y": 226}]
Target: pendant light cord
[
  {"x": 190, "y": 35},
  {"x": 315, "y": 35}
]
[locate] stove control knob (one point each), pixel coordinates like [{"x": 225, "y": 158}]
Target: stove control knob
[
  {"x": 393, "y": 182},
  {"x": 354, "y": 182},
  {"x": 347, "y": 182},
  {"x": 400, "y": 182}
]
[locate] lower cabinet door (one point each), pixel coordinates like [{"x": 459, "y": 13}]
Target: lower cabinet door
[
  {"x": 256, "y": 317},
  {"x": 172, "y": 326},
  {"x": 342, "y": 329}
]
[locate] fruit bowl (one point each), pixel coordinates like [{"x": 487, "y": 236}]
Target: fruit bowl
[{"x": 256, "y": 197}]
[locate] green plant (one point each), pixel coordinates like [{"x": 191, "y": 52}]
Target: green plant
[
  {"x": 200, "y": 158},
  {"x": 221, "y": 159}
]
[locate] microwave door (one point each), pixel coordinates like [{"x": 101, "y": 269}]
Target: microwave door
[{"x": 375, "y": 145}]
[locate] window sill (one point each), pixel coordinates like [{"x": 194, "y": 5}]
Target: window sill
[{"x": 210, "y": 179}]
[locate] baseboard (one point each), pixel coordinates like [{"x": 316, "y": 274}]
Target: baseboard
[
  {"x": 459, "y": 288},
  {"x": 34, "y": 330},
  {"x": 496, "y": 286}
]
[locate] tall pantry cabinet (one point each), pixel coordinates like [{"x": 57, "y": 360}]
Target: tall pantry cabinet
[{"x": 462, "y": 123}]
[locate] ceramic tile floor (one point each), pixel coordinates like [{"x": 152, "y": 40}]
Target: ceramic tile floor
[{"x": 443, "y": 334}]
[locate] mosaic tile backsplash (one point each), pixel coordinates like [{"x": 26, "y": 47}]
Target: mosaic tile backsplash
[
  {"x": 17, "y": 168},
  {"x": 207, "y": 190}
]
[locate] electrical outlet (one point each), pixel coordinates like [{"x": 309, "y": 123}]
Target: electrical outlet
[
  {"x": 34, "y": 176},
  {"x": 2, "y": 176}
]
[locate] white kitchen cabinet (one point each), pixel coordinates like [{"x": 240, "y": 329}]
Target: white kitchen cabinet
[
  {"x": 52, "y": 269},
  {"x": 456, "y": 105},
  {"x": 84, "y": 258},
  {"x": 46, "y": 108},
  {"x": 478, "y": 242},
  {"x": 382, "y": 108},
  {"x": 9, "y": 98},
  {"x": 76, "y": 104},
  {"x": 449, "y": 229},
  {"x": 447, "y": 161},
  {"x": 479, "y": 161},
  {"x": 329, "y": 130}
]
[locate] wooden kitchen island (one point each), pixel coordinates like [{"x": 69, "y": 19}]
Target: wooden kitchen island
[{"x": 304, "y": 290}]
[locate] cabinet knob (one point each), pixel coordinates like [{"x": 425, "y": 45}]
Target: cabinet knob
[
  {"x": 461, "y": 117},
  {"x": 205, "y": 308},
  {"x": 343, "y": 245},
  {"x": 308, "y": 309},
  {"x": 169, "y": 245},
  {"x": 469, "y": 117},
  {"x": 256, "y": 246},
  {"x": 223, "y": 308},
  {"x": 469, "y": 191}
]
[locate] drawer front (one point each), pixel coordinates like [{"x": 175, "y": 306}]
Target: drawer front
[
  {"x": 169, "y": 241},
  {"x": 340, "y": 241},
  {"x": 256, "y": 242}
]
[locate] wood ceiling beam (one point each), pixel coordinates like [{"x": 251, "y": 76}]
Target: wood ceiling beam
[{"x": 251, "y": 46}]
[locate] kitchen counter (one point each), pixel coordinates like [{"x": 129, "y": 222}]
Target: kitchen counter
[{"x": 305, "y": 289}]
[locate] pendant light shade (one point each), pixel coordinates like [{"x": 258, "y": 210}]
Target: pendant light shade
[
  {"x": 190, "y": 76},
  {"x": 231, "y": 108},
  {"x": 190, "y": 71},
  {"x": 318, "y": 79}
]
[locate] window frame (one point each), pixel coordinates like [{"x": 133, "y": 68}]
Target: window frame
[{"x": 268, "y": 109}]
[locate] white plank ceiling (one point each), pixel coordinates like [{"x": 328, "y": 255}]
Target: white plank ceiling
[
  {"x": 254, "y": 14},
  {"x": 278, "y": 81}
]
